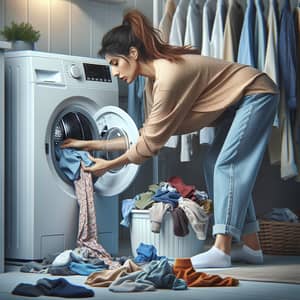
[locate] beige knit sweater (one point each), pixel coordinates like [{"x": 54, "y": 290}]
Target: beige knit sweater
[{"x": 188, "y": 95}]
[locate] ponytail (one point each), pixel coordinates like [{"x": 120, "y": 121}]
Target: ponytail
[{"x": 136, "y": 31}]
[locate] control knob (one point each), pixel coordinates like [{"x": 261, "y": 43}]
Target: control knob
[{"x": 75, "y": 72}]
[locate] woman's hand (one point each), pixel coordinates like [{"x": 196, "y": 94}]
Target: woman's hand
[
  {"x": 74, "y": 143},
  {"x": 100, "y": 166}
]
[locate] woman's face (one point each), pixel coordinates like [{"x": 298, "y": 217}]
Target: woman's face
[{"x": 126, "y": 68}]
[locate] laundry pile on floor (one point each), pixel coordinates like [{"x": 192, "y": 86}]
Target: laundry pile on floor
[
  {"x": 70, "y": 262},
  {"x": 146, "y": 272},
  {"x": 186, "y": 204},
  {"x": 158, "y": 274}
]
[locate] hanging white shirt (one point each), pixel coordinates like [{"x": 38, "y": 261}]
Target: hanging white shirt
[
  {"x": 232, "y": 30},
  {"x": 193, "y": 37},
  {"x": 207, "y": 134},
  {"x": 271, "y": 68},
  {"x": 176, "y": 38},
  {"x": 166, "y": 20}
]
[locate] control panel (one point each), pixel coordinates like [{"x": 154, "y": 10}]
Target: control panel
[{"x": 97, "y": 72}]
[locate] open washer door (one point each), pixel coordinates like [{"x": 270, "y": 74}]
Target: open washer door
[{"x": 113, "y": 122}]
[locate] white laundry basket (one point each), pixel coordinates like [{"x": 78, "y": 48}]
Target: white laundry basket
[{"x": 165, "y": 242}]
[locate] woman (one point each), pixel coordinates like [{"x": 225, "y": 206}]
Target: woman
[{"x": 186, "y": 92}]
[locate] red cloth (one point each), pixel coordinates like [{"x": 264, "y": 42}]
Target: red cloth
[{"x": 186, "y": 191}]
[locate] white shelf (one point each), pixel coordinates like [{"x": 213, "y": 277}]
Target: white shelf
[{"x": 5, "y": 45}]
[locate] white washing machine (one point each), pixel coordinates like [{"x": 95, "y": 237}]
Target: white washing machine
[{"x": 50, "y": 97}]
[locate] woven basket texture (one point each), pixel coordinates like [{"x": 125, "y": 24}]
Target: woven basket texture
[{"x": 279, "y": 238}]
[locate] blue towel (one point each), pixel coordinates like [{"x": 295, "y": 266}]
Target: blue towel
[{"x": 69, "y": 161}]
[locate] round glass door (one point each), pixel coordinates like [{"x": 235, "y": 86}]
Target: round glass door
[
  {"x": 109, "y": 123},
  {"x": 115, "y": 123},
  {"x": 111, "y": 134}
]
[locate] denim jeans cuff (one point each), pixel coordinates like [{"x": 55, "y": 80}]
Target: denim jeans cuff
[
  {"x": 227, "y": 229},
  {"x": 251, "y": 228}
]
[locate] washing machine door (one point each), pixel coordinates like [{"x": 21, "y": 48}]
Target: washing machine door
[{"x": 113, "y": 122}]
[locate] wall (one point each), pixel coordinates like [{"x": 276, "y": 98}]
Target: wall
[{"x": 68, "y": 26}]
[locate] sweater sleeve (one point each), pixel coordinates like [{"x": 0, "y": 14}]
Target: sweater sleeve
[{"x": 170, "y": 108}]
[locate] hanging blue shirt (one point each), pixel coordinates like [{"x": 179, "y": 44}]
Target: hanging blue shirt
[
  {"x": 136, "y": 100},
  {"x": 287, "y": 54},
  {"x": 246, "y": 54}
]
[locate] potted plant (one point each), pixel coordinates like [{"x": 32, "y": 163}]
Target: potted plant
[{"x": 22, "y": 35}]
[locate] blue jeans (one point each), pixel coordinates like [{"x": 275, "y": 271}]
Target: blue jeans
[{"x": 232, "y": 162}]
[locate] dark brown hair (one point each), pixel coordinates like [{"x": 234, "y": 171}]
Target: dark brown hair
[{"x": 136, "y": 31}]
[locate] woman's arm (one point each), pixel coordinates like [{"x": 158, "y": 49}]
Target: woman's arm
[
  {"x": 90, "y": 145},
  {"x": 101, "y": 166}
]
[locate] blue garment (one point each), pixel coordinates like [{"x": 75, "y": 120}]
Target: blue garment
[
  {"x": 146, "y": 253},
  {"x": 69, "y": 161},
  {"x": 162, "y": 195},
  {"x": 272, "y": 66},
  {"x": 239, "y": 145},
  {"x": 260, "y": 36},
  {"x": 161, "y": 274},
  {"x": 59, "y": 287},
  {"x": 127, "y": 206},
  {"x": 156, "y": 274},
  {"x": 136, "y": 100},
  {"x": 246, "y": 53},
  {"x": 86, "y": 269},
  {"x": 287, "y": 55}
]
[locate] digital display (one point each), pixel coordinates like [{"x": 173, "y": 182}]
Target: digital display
[{"x": 97, "y": 73}]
